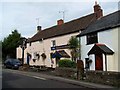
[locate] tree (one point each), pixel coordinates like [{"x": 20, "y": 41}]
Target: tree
[
  {"x": 10, "y": 44},
  {"x": 73, "y": 46}
]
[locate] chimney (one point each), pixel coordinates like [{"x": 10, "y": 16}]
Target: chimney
[
  {"x": 98, "y": 10},
  {"x": 38, "y": 28},
  {"x": 60, "y": 22}
]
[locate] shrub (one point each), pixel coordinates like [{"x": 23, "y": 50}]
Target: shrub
[{"x": 67, "y": 63}]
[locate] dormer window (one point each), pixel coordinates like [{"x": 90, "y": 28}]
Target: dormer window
[{"x": 92, "y": 38}]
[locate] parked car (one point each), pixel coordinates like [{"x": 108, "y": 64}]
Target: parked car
[{"x": 12, "y": 63}]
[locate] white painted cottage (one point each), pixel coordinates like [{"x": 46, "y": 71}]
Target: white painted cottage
[{"x": 100, "y": 44}]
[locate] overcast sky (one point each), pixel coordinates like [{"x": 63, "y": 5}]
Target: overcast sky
[{"x": 22, "y": 15}]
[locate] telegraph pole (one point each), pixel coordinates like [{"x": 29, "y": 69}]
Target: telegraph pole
[{"x": 23, "y": 46}]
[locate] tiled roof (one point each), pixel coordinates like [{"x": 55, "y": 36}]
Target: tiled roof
[
  {"x": 110, "y": 21},
  {"x": 66, "y": 28},
  {"x": 100, "y": 48}
]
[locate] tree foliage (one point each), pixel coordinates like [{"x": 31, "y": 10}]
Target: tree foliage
[
  {"x": 67, "y": 63},
  {"x": 10, "y": 44},
  {"x": 73, "y": 46}
]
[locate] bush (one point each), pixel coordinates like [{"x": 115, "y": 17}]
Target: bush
[{"x": 67, "y": 63}]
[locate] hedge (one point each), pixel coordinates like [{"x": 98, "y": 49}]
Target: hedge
[{"x": 67, "y": 63}]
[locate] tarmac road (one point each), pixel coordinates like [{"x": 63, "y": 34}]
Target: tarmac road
[
  {"x": 16, "y": 80},
  {"x": 34, "y": 80}
]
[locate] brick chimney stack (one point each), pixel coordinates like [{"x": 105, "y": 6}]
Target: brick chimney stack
[
  {"x": 38, "y": 28},
  {"x": 98, "y": 10},
  {"x": 60, "y": 22}
]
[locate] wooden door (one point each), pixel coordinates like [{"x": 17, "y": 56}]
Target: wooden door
[{"x": 98, "y": 62}]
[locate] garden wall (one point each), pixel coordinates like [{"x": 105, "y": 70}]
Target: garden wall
[
  {"x": 101, "y": 77},
  {"x": 109, "y": 78}
]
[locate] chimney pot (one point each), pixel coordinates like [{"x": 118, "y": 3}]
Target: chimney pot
[
  {"x": 95, "y": 2},
  {"x": 60, "y": 22},
  {"x": 38, "y": 28}
]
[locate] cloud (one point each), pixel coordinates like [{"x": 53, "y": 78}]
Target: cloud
[
  {"x": 22, "y": 15},
  {"x": 58, "y": 0}
]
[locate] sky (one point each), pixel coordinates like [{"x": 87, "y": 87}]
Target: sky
[{"x": 23, "y": 14}]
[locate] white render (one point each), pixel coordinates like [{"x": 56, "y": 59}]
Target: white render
[
  {"x": 19, "y": 52},
  {"x": 44, "y": 46},
  {"x": 119, "y": 49},
  {"x": 110, "y": 39}
]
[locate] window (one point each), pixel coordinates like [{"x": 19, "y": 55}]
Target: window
[
  {"x": 53, "y": 43},
  {"x": 92, "y": 38}
]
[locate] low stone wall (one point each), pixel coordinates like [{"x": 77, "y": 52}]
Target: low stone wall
[
  {"x": 100, "y": 77},
  {"x": 66, "y": 72},
  {"x": 109, "y": 78}
]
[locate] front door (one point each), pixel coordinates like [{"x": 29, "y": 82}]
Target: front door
[{"x": 98, "y": 62}]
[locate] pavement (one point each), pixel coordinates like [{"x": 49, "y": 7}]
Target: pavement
[{"x": 66, "y": 80}]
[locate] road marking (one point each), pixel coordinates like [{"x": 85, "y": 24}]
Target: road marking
[{"x": 39, "y": 77}]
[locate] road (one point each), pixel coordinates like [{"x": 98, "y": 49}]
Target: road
[{"x": 17, "y": 80}]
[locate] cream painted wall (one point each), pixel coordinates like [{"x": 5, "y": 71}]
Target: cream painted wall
[
  {"x": 45, "y": 47},
  {"x": 119, "y": 49},
  {"x": 39, "y": 48},
  {"x": 110, "y": 63}
]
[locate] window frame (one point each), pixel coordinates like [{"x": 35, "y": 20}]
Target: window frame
[
  {"x": 53, "y": 43},
  {"x": 91, "y": 38}
]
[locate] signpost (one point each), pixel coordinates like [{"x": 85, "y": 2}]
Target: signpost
[{"x": 23, "y": 46}]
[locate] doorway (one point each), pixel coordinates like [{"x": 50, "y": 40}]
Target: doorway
[{"x": 98, "y": 62}]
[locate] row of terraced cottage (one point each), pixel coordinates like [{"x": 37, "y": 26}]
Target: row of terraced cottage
[{"x": 97, "y": 34}]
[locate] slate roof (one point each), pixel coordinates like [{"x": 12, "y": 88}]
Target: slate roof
[
  {"x": 66, "y": 28},
  {"x": 107, "y": 22},
  {"x": 100, "y": 48}
]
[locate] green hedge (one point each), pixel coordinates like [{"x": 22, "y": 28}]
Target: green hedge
[{"x": 67, "y": 63}]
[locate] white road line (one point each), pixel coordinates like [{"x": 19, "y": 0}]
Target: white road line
[{"x": 39, "y": 77}]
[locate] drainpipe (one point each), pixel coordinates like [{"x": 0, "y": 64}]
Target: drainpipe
[
  {"x": 22, "y": 55},
  {"x": 105, "y": 62},
  {"x": 79, "y": 48}
]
